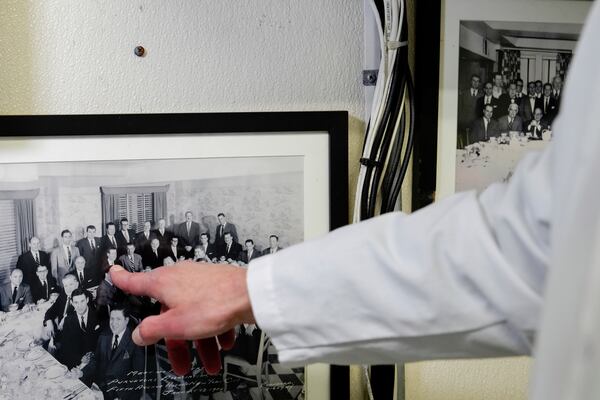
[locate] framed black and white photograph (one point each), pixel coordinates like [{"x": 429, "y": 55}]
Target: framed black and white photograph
[
  {"x": 81, "y": 193},
  {"x": 503, "y": 66}
]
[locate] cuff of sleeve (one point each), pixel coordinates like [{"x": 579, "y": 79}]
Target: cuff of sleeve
[{"x": 263, "y": 297}]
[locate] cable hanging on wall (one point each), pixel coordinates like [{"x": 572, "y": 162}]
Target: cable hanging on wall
[{"x": 389, "y": 135}]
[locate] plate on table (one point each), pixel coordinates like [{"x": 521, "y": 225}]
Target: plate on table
[
  {"x": 23, "y": 343},
  {"x": 35, "y": 353},
  {"x": 56, "y": 371}
]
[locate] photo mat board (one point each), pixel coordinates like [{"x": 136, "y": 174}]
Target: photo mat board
[
  {"x": 522, "y": 39},
  {"x": 267, "y": 179}
]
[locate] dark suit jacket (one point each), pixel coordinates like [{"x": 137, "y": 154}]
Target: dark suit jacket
[
  {"x": 551, "y": 110},
  {"x": 122, "y": 242},
  {"x": 504, "y": 127},
  {"x": 243, "y": 256},
  {"x": 191, "y": 239},
  {"x": 75, "y": 342},
  {"x": 503, "y": 102},
  {"x": 210, "y": 250},
  {"x": 106, "y": 365},
  {"x": 141, "y": 242},
  {"x": 91, "y": 255},
  {"x": 55, "y": 312},
  {"x": 267, "y": 251},
  {"x": 526, "y": 111},
  {"x": 168, "y": 252},
  {"x": 38, "y": 292},
  {"x": 164, "y": 239},
  {"x": 27, "y": 264},
  {"x": 219, "y": 240},
  {"x": 536, "y": 132},
  {"x": 91, "y": 277},
  {"x": 151, "y": 260},
  {"x": 23, "y": 296},
  {"x": 478, "y": 132},
  {"x": 467, "y": 108},
  {"x": 233, "y": 253},
  {"x": 105, "y": 244}
]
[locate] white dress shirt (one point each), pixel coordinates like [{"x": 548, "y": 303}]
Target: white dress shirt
[{"x": 465, "y": 277}]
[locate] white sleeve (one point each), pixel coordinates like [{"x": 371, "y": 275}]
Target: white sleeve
[{"x": 460, "y": 278}]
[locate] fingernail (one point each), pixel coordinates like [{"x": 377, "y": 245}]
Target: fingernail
[
  {"x": 137, "y": 338},
  {"x": 116, "y": 268}
]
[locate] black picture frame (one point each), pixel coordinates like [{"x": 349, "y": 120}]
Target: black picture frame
[{"x": 335, "y": 123}]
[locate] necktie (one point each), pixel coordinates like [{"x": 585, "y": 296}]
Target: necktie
[
  {"x": 69, "y": 254},
  {"x": 80, "y": 277},
  {"x": 126, "y": 235},
  {"x": 222, "y": 229},
  {"x": 112, "y": 240},
  {"x": 473, "y": 92},
  {"x": 37, "y": 258},
  {"x": 68, "y": 303},
  {"x": 14, "y": 296},
  {"x": 228, "y": 248},
  {"x": 82, "y": 323},
  {"x": 545, "y": 104},
  {"x": 45, "y": 287},
  {"x": 189, "y": 225},
  {"x": 115, "y": 343},
  {"x": 93, "y": 246},
  {"x": 510, "y": 123}
]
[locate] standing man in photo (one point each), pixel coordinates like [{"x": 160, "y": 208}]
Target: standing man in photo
[
  {"x": 63, "y": 257},
  {"x": 467, "y": 111},
  {"x": 142, "y": 239},
  {"x": 124, "y": 236},
  {"x": 222, "y": 229},
  {"x": 189, "y": 233},
  {"x": 29, "y": 261},
  {"x": 89, "y": 247},
  {"x": 163, "y": 234},
  {"x": 109, "y": 240}
]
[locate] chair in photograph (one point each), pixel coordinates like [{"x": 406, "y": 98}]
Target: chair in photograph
[{"x": 260, "y": 368}]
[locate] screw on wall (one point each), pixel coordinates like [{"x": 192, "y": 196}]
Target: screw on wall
[{"x": 139, "y": 51}]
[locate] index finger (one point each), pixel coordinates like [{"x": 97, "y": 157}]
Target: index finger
[{"x": 138, "y": 284}]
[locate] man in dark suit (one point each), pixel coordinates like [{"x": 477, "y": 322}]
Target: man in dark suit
[
  {"x": 90, "y": 247},
  {"x": 63, "y": 256},
  {"x": 249, "y": 254},
  {"x": 163, "y": 234},
  {"x": 549, "y": 104},
  {"x": 223, "y": 228},
  {"x": 43, "y": 285},
  {"x": 199, "y": 255},
  {"x": 116, "y": 357},
  {"x": 209, "y": 248},
  {"x": 510, "y": 97},
  {"x": 529, "y": 103},
  {"x": 109, "y": 259},
  {"x": 131, "y": 261},
  {"x": 54, "y": 317},
  {"x": 557, "y": 85},
  {"x": 151, "y": 257},
  {"x": 142, "y": 239},
  {"x": 230, "y": 250},
  {"x": 109, "y": 240},
  {"x": 86, "y": 277},
  {"x": 539, "y": 89},
  {"x": 511, "y": 122},
  {"x": 273, "y": 245},
  {"x": 15, "y": 293},
  {"x": 80, "y": 331},
  {"x": 537, "y": 126},
  {"x": 520, "y": 92},
  {"x": 487, "y": 98},
  {"x": 189, "y": 233},
  {"x": 29, "y": 261},
  {"x": 124, "y": 236},
  {"x": 174, "y": 250},
  {"x": 467, "y": 103},
  {"x": 485, "y": 127}
]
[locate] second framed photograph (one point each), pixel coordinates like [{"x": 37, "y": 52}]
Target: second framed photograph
[
  {"x": 503, "y": 66},
  {"x": 81, "y": 193}
]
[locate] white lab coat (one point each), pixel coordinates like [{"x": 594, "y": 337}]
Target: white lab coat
[{"x": 465, "y": 277}]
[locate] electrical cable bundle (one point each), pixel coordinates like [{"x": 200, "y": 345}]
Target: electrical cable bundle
[{"x": 390, "y": 131}]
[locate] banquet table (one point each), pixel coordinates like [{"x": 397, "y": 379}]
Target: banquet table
[
  {"x": 27, "y": 370},
  {"x": 480, "y": 164}
]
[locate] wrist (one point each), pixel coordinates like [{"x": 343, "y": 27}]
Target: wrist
[{"x": 241, "y": 306}]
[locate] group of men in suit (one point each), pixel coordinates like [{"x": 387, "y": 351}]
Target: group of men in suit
[{"x": 498, "y": 108}]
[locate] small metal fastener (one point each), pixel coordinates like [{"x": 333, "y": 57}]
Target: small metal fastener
[
  {"x": 370, "y": 77},
  {"x": 139, "y": 51}
]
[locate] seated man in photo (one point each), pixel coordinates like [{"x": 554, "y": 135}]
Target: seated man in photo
[
  {"x": 210, "y": 249},
  {"x": 80, "y": 331},
  {"x": 116, "y": 362},
  {"x": 152, "y": 255},
  {"x": 43, "y": 285},
  {"x": 273, "y": 245},
  {"x": 86, "y": 276},
  {"x": 511, "y": 122},
  {"x": 485, "y": 127},
  {"x": 56, "y": 314},
  {"x": 174, "y": 250},
  {"x": 538, "y": 125},
  {"x": 230, "y": 250},
  {"x": 131, "y": 261},
  {"x": 15, "y": 294},
  {"x": 249, "y": 254},
  {"x": 200, "y": 255}
]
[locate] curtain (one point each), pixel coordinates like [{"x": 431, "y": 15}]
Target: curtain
[
  {"x": 110, "y": 209},
  {"x": 509, "y": 62},
  {"x": 25, "y": 223},
  {"x": 160, "y": 205},
  {"x": 562, "y": 64}
]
